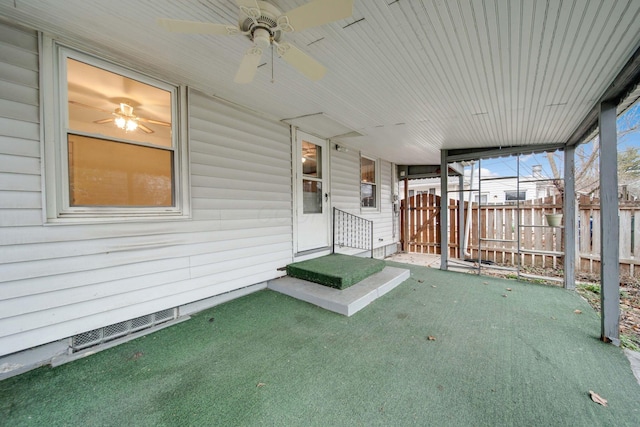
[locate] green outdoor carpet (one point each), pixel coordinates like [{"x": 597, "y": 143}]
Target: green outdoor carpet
[
  {"x": 524, "y": 359},
  {"x": 335, "y": 270}
]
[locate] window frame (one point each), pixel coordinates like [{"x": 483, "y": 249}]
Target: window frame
[
  {"x": 478, "y": 199},
  {"x": 508, "y": 195},
  {"x": 375, "y": 184},
  {"x": 54, "y": 102}
]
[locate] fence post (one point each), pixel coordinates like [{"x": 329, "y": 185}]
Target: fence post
[
  {"x": 371, "y": 240},
  {"x": 333, "y": 231}
]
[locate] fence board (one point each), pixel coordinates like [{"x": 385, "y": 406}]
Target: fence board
[{"x": 501, "y": 222}]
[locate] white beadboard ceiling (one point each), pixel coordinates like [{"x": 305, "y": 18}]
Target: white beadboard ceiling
[{"x": 412, "y": 76}]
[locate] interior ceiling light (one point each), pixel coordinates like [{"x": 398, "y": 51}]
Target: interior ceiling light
[{"x": 125, "y": 118}]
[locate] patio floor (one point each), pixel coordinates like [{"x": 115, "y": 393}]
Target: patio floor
[{"x": 496, "y": 357}]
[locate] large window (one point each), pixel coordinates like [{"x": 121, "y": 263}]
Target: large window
[
  {"x": 368, "y": 183},
  {"x": 116, "y": 151}
]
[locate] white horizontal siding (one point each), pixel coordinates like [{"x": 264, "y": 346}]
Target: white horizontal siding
[
  {"x": 345, "y": 181},
  {"x": 345, "y": 194},
  {"x": 20, "y": 182},
  {"x": 60, "y": 280}
]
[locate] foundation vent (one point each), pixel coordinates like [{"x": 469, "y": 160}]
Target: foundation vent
[{"x": 117, "y": 330}]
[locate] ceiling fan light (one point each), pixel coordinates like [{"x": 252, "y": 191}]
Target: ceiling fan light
[
  {"x": 121, "y": 122},
  {"x": 126, "y": 109},
  {"x": 262, "y": 38},
  {"x": 131, "y": 125}
]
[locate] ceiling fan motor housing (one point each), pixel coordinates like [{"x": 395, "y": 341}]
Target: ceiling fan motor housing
[{"x": 262, "y": 27}]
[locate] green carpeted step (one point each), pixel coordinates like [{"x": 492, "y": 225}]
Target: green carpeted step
[{"x": 335, "y": 270}]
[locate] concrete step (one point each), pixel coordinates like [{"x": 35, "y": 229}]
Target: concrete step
[
  {"x": 347, "y": 301},
  {"x": 335, "y": 270}
]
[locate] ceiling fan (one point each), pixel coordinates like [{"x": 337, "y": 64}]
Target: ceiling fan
[
  {"x": 264, "y": 24},
  {"x": 124, "y": 118}
]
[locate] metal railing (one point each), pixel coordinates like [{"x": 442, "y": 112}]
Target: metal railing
[{"x": 352, "y": 231}]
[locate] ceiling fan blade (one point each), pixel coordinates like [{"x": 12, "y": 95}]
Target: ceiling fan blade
[
  {"x": 319, "y": 12},
  {"x": 154, "y": 122},
  {"x": 144, "y": 129},
  {"x": 302, "y": 62},
  {"x": 93, "y": 107},
  {"x": 248, "y": 66},
  {"x": 249, "y": 4},
  {"x": 193, "y": 27},
  {"x": 103, "y": 121}
]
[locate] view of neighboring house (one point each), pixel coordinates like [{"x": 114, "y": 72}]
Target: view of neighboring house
[{"x": 490, "y": 191}]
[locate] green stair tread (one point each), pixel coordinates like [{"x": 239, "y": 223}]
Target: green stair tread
[{"x": 335, "y": 270}]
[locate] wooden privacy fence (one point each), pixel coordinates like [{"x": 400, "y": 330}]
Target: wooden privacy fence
[
  {"x": 495, "y": 229},
  {"x": 589, "y": 236}
]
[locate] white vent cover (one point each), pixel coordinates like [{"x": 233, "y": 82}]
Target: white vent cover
[{"x": 117, "y": 330}]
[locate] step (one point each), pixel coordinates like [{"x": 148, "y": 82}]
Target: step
[
  {"x": 335, "y": 270},
  {"x": 346, "y": 301}
]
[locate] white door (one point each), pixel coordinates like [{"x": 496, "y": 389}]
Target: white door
[{"x": 312, "y": 192}]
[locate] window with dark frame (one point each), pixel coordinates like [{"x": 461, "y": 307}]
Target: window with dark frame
[{"x": 512, "y": 196}]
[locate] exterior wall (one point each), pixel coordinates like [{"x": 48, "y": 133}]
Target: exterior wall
[
  {"x": 60, "y": 280},
  {"x": 345, "y": 195}
]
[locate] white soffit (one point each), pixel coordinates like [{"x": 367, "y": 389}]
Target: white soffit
[{"x": 322, "y": 125}]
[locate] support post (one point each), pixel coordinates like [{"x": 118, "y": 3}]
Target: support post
[
  {"x": 461, "y": 225},
  {"x": 444, "y": 211},
  {"x": 569, "y": 211},
  {"x": 609, "y": 225},
  {"x": 405, "y": 243}
]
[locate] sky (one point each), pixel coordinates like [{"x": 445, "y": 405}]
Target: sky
[{"x": 508, "y": 166}]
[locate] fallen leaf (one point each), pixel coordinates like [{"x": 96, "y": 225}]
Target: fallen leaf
[
  {"x": 433, "y": 286},
  {"x": 420, "y": 281},
  {"x": 137, "y": 355},
  {"x": 261, "y": 385},
  {"x": 485, "y": 283},
  {"x": 509, "y": 289},
  {"x": 597, "y": 398},
  {"x": 431, "y": 338},
  {"x": 577, "y": 311},
  {"x": 504, "y": 295}
]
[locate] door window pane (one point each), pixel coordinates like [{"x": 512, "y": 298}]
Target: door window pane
[
  {"x": 311, "y": 196},
  {"x": 311, "y": 163}
]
